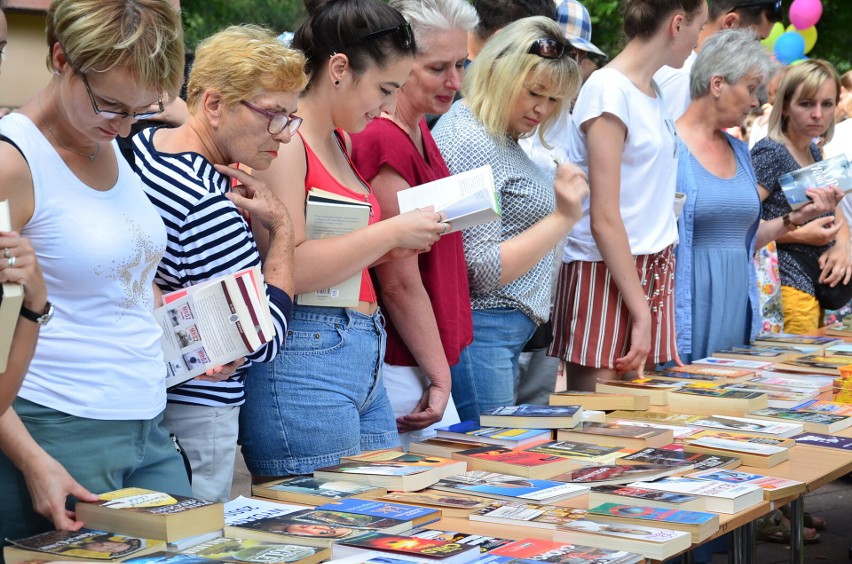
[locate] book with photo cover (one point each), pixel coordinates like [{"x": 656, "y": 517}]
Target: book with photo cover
[
  {"x": 434, "y": 549},
  {"x": 834, "y": 171},
  {"x": 540, "y": 550},
  {"x": 811, "y": 421},
  {"x": 517, "y": 462},
  {"x": 381, "y": 508},
  {"x": 751, "y": 453},
  {"x": 655, "y": 389},
  {"x": 450, "y": 505},
  {"x": 610, "y": 474},
  {"x": 747, "y": 425},
  {"x": 393, "y": 470},
  {"x": 677, "y": 457},
  {"x": 86, "y": 545},
  {"x": 678, "y": 431},
  {"x": 651, "y": 542},
  {"x": 149, "y": 514},
  {"x": 752, "y": 352},
  {"x": 485, "y": 544},
  {"x": 310, "y": 491},
  {"x": 213, "y": 323},
  {"x": 236, "y": 550},
  {"x": 645, "y": 497},
  {"x": 530, "y": 416},
  {"x": 773, "y": 488},
  {"x": 527, "y": 515},
  {"x": 792, "y": 340},
  {"x": 502, "y": 436},
  {"x": 616, "y": 435},
  {"x": 509, "y": 488},
  {"x": 720, "y": 497},
  {"x": 821, "y": 440},
  {"x": 820, "y": 364},
  {"x": 829, "y": 407},
  {"x": 700, "y": 524},
  {"x": 580, "y": 453},
  {"x": 712, "y": 401}
]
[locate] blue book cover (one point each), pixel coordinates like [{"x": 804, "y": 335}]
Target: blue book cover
[
  {"x": 384, "y": 509},
  {"x": 830, "y": 441},
  {"x": 534, "y": 410},
  {"x": 474, "y": 430},
  {"x": 653, "y": 514}
]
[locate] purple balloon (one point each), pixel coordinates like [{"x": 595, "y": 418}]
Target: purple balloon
[
  {"x": 789, "y": 47},
  {"x": 805, "y": 13}
]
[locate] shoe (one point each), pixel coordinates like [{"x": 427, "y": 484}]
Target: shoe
[
  {"x": 813, "y": 521},
  {"x": 776, "y": 528}
]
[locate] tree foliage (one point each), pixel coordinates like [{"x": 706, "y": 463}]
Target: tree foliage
[{"x": 202, "y": 18}]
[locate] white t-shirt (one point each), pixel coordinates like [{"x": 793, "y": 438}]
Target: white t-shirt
[
  {"x": 841, "y": 143},
  {"x": 648, "y": 165},
  {"x": 100, "y": 355},
  {"x": 675, "y": 86}
]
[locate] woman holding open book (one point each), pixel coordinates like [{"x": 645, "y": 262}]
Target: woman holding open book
[
  {"x": 323, "y": 397},
  {"x": 521, "y": 78},
  {"x": 426, "y": 297},
  {"x": 716, "y": 290},
  {"x": 815, "y": 259},
  {"x": 88, "y": 417}
]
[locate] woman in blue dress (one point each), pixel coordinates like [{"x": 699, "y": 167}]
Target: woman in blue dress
[{"x": 720, "y": 228}]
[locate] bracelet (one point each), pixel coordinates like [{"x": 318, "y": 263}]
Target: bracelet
[{"x": 788, "y": 223}]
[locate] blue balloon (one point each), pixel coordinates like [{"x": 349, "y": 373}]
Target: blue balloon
[{"x": 789, "y": 47}]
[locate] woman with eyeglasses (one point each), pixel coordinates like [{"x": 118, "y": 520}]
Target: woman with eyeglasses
[
  {"x": 88, "y": 417},
  {"x": 425, "y": 298},
  {"x": 242, "y": 95},
  {"x": 614, "y": 309},
  {"x": 520, "y": 80},
  {"x": 323, "y": 397}
]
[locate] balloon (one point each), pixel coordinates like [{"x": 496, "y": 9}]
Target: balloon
[
  {"x": 799, "y": 62},
  {"x": 809, "y": 35},
  {"x": 774, "y": 34},
  {"x": 789, "y": 47},
  {"x": 805, "y": 13}
]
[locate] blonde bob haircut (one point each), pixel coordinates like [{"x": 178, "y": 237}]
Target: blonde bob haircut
[
  {"x": 242, "y": 61},
  {"x": 495, "y": 79},
  {"x": 811, "y": 74},
  {"x": 144, "y": 36}
]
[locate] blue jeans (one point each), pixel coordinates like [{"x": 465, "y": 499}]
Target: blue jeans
[
  {"x": 101, "y": 455},
  {"x": 487, "y": 371},
  {"x": 321, "y": 398}
]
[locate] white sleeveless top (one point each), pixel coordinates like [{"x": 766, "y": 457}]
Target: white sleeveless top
[{"x": 100, "y": 355}]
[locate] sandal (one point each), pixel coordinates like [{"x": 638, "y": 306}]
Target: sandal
[
  {"x": 812, "y": 521},
  {"x": 776, "y": 528}
]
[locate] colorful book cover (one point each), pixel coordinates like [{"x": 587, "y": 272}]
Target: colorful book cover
[
  {"x": 737, "y": 477},
  {"x": 698, "y": 437},
  {"x": 819, "y": 361},
  {"x": 511, "y": 456},
  {"x": 830, "y": 441},
  {"x": 668, "y": 418},
  {"x": 139, "y": 500},
  {"x": 478, "y": 432},
  {"x": 827, "y": 407},
  {"x": 745, "y": 425},
  {"x": 384, "y": 509},
  {"x": 692, "y": 486},
  {"x": 677, "y": 457},
  {"x": 719, "y": 367},
  {"x": 411, "y": 545},
  {"x": 163, "y": 557},
  {"x": 332, "y": 489},
  {"x": 534, "y": 410},
  {"x": 804, "y": 416},
  {"x": 611, "y": 472},
  {"x": 540, "y": 550},
  {"x": 700, "y": 377},
  {"x": 678, "y": 516},
  {"x": 645, "y": 494},
  {"x": 437, "y": 499},
  {"x": 484, "y": 543},
  {"x": 719, "y": 393},
  {"x": 246, "y": 550},
  {"x": 396, "y": 458},
  {"x": 612, "y": 429},
  {"x": 544, "y": 516},
  {"x": 647, "y": 383},
  {"x": 485, "y": 483},
  {"x": 792, "y": 339},
  {"x": 744, "y": 367},
  {"x": 571, "y": 449},
  {"x": 87, "y": 544},
  {"x": 678, "y": 431},
  {"x": 386, "y": 469}
]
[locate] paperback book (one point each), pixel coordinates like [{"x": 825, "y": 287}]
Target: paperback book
[
  {"x": 700, "y": 524},
  {"x": 483, "y": 543},
  {"x": 655, "y": 389},
  {"x": 821, "y": 364},
  {"x": 829, "y": 407},
  {"x": 509, "y": 488},
  {"x": 746, "y": 368},
  {"x": 236, "y": 550},
  {"x": 400, "y": 471},
  {"x": 828, "y": 441},
  {"x": 523, "y": 463},
  {"x": 580, "y": 453},
  {"x": 721, "y": 497},
  {"x": 751, "y": 352},
  {"x": 811, "y": 421},
  {"x": 435, "y": 550},
  {"x": 834, "y": 171},
  {"x": 380, "y": 508},
  {"x": 678, "y": 432},
  {"x": 310, "y": 491},
  {"x": 148, "y": 514},
  {"x": 789, "y": 339},
  {"x": 677, "y": 457},
  {"x": 682, "y": 419},
  {"x": 444, "y": 448},
  {"x": 529, "y": 416},
  {"x": 703, "y": 401},
  {"x": 597, "y": 400},
  {"x": 450, "y": 505},
  {"x": 472, "y": 431},
  {"x": 540, "y": 550},
  {"x": 651, "y": 542},
  {"x": 85, "y": 544},
  {"x": 645, "y": 497},
  {"x": 746, "y": 425},
  {"x": 751, "y": 453},
  {"x": 783, "y": 442},
  {"x": 616, "y": 435},
  {"x": 616, "y": 474},
  {"x": 527, "y": 515},
  {"x": 773, "y": 488}
]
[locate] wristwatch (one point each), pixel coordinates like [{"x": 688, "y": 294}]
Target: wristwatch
[
  {"x": 788, "y": 223},
  {"x": 38, "y": 318}
]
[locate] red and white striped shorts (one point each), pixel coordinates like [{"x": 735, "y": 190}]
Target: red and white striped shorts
[{"x": 592, "y": 325}]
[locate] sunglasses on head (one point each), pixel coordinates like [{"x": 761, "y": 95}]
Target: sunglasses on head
[
  {"x": 548, "y": 48},
  {"x": 404, "y": 35},
  {"x": 772, "y": 8}
]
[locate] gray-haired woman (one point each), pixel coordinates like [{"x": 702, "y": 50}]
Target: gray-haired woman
[{"x": 716, "y": 289}]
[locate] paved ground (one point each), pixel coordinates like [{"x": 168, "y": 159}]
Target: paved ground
[{"x": 834, "y": 502}]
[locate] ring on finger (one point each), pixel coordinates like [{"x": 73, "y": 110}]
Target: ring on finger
[
  {"x": 6, "y": 252},
  {"x": 11, "y": 261}
]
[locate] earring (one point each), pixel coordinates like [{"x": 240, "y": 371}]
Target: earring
[{"x": 337, "y": 83}]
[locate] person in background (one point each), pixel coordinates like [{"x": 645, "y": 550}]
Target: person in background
[
  {"x": 537, "y": 371},
  {"x": 323, "y": 396},
  {"x": 494, "y": 15},
  {"x": 844, "y": 103},
  {"x": 522, "y": 78},
  {"x": 88, "y": 417},
  {"x": 720, "y": 228},
  {"x": 757, "y": 15},
  {"x": 242, "y": 97},
  {"x": 425, "y": 297},
  {"x": 814, "y": 258},
  {"x": 614, "y": 309}
]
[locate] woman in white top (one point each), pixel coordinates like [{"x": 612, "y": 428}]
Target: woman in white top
[{"x": 614, "y": 309}]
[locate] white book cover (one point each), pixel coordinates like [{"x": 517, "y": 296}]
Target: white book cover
[
  {"x": 244, "y": 510},
  {"x": 734, "y": 363},
  {"x": 746, "y": 425},
  {"x": 692, "y": 486},
  {"x": 739, "y": 446},
  {"x": 737, "y": 477},
  {"x": 637, "y": 532}
]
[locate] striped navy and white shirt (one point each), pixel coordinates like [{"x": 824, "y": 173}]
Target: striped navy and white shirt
[{"x": 207, "y": 237}]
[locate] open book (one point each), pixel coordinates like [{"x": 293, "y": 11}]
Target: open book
[
  {"x": 213, "y": 323},
  {"x": 829, "y": 172},
  {"x": 329, "y": 215},
  {"x": 11, "y": 298},
  {"x": 468, "y": 198}
]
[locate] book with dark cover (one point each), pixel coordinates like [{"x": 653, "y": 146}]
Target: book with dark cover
[
  {"x": 310, "y": 491},
  {"x": 508, "y": 487},
  {"x": 828, "y": 441},
  {"x": 631, "y": 495},
  {"x": 449, "y": 505},
  {"x": 483, "y": 543},
  {"x": 677, "y": 457},
  {"x": 236, "y": 551},
  {"x": 85, "y": 544},
  {"x": 574, "y": 449},
  {"x": 435, "y": 549},
  {"x": 812, "y": 421},
  {"x": 532, "y": 416},
  {"x": 834, "y": 171},
  {"x": 616, "y": 473}
]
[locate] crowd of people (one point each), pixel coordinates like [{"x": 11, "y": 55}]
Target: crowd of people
[{"x": 588, "y": 166}]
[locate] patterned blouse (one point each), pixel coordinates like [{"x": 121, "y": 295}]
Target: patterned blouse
[
  {"x": 526, "y": 196},
  {"x": 771, "y": 160}
]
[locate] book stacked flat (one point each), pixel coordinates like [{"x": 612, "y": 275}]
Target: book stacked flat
[
  {"x": 310, "y": 491},
  {"x": 450, "y": 505},
  {"x": 444, "y": 448},
  {"x": 611, "y": 474},
  {"x": 517, "y": 462},
  {"x": 677, "y": 457},
  {"x": 226, "y": 549},
  {"x": 580, "y": 454},
  {"x": 816, "y": 364},
  {"x": 651, "y": 542},
  {"x": 392, "y": 470},
  {"x": 762, "y": 452},
  {"x": 509, "y": 488},
  {"x": 540, "y": 550},
  {"x": 529, "y": 416},
  {"x": 421, "y": 549},
  {"x": 747, "y": 425},
  {"x": 752, "y": 352},
  {"x": 720, "y": 497},
  {"x": 811, "y": 421},
  {"x": 472, "y": 431},
  {"x": 598, "y": 400},
  {"x": 82, "y": 545},
  {"x": 629, "y": 495},
  {"x": 654, "y": 389},
  {"x": 814, "y": 342},
  {"x": 699, "y": 524},
  {"x": 773, "y": 488},
  {"x": 614, "y": 434},
  {"x": 711, "y": 401}
]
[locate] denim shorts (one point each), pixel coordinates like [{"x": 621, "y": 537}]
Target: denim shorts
[{"x": 321, "y": 398}]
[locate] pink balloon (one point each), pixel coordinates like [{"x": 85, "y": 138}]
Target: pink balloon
[{"x": 805, "y": 13}]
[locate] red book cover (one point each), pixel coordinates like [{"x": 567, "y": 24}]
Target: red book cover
[
  {"x": 432, "y": 548},
  {"x": 510, "y": 456}
]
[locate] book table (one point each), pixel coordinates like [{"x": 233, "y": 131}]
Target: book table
[{"x": 816, "y": 466}]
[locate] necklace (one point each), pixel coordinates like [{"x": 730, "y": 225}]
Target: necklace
[{"x": 90, "y": 156}]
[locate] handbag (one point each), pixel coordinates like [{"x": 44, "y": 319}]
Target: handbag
[
  {"x": 828, "y": 297},
  {"x": 541, "y": 338}
]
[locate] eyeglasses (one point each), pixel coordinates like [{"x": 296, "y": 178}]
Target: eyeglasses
[
  {"x": 278, "y": 121},
  {"x": 772, "y": 8},
  {"x": 404, "y": 35},
  {"x": 120, "y": 115},
  {"x": 548, "y": 48}
]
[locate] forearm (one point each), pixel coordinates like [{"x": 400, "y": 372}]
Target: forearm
[
  {"x": 279, "y": 264},
  {"x": 22, "y": 350},
  {"x": 17, "y": 443},
  {"x": 520, "y": 253}
]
